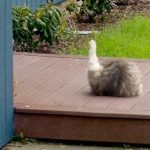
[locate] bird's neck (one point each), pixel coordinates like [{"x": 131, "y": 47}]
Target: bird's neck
[
  {"x": 93, "y": 60},
  {"x": 92, "y": 53}
]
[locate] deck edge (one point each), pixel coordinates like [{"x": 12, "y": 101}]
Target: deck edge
[{"x": 78, "y": 57}]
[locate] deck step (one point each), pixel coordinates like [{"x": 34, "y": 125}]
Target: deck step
[{"x": 54, "y": 102}]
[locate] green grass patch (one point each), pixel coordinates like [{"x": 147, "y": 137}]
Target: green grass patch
[{"x": 129, "y": 38}]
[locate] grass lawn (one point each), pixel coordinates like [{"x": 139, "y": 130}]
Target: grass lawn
[{"x": 129, "y": 38}]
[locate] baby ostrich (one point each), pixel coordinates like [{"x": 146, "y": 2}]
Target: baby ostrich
[{"x": 114, "y": 78}]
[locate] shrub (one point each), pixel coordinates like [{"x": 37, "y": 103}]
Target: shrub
[
  {"x": 46, "y": 22},
  {"x": 30, "y": 29},
  {"x": 89, "y": 9},
  {"x": 72, "y": 7},
  {"x": 21, "y": 34}
]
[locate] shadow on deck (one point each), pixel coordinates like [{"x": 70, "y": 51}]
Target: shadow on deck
[{"x": 53, "y": 101}]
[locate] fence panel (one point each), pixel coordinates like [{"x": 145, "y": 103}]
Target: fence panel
[
  {"x": 32, "y": 3},
  {"x": 6, "y": 103}
]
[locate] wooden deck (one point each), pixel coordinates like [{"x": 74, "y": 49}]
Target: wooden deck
[{"x": 54, "y": 101}]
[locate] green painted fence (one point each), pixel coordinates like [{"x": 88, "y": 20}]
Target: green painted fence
[{"x": 6, "y": 103}]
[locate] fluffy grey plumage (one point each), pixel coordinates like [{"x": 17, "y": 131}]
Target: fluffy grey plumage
[{"x": 115, "y": 78}]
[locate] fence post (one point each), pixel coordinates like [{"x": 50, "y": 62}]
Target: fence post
[{"x": 6, "y": 96}]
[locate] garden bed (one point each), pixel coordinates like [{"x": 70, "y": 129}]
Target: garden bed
[{"x": 73, "y": 44}]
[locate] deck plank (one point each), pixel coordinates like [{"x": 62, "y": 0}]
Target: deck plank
[
  {"x": 17, "y": 57},
  {"x": 72, "y": 87},
  {"x": 25, "y": 61},
  {"x": 34, "y": 68},
  {"x": 34, "y": 82}
]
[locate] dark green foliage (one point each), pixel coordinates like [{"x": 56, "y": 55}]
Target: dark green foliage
[
  {"x": 72, "y": 7},
  {"x": 21, "y": 34},
  {"x": 30, "y": 29},
  {"x": 46, "y": 22},
  {"x": 90, "y": 9}
]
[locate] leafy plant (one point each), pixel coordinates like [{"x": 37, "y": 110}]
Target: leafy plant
[
  {"x": 47, "y": 21},
  {"x": 21, "y": 16},
  {"x": 19, "y": 138},
  {"x": 72, "y": 7},
  {"x": 89, "y": 9},
  {"x": 31, "y": 29}
]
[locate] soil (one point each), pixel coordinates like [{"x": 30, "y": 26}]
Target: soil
[{"x": 119, "y": 12}]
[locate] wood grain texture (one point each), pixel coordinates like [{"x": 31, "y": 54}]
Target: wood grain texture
[
  {"x": 63, "y": 127},
  {"x": 58, "y": 85}
]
